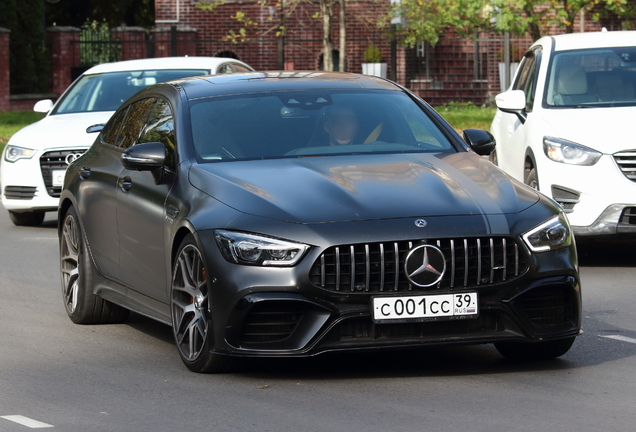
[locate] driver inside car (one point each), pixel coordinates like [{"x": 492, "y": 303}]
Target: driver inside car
[{"x": 341, "y": 124}]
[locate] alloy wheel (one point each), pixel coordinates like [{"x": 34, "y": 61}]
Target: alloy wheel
[
  {"x": 69, "y": 262},
  {"x": 190, "y": 303}
]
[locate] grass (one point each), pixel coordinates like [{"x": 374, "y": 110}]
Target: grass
[
  {"x": 460, "y": 115},
  {"x": 13, "y": 121},
  {"x": 467, "y": 116}
]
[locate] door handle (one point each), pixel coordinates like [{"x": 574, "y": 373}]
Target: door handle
[
  {"x": 84, "y": 173},
  {"x": 125, "y": 184}
]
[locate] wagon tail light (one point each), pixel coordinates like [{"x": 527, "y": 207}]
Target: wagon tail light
[{"x": 252, "y": 249}]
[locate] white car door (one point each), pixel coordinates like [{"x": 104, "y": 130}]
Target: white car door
[{"x": 511, "y": 129}]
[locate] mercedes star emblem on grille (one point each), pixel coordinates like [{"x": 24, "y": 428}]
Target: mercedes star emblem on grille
[
  {"x": 420, "y": 223},
  {"x": 425, "y": 265},
  {"x": 71, "y": 157}
]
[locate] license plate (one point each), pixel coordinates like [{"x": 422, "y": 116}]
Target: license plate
[
  {"x": 58, "y": 177},
  {"x": 425, "y": 308}
]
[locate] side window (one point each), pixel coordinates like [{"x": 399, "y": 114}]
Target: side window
[
  {"x": 111, "y": 130},
  {"x": 240, "y": 68},
  {"x": 526, "y": 78},
  {"x": 135, "y": 120},
  {"x": 160, "y": 128},
  {"x": 225, "y": 68}
]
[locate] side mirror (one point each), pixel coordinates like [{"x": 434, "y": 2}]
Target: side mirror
[
  {"x": 95, "y": 128},
  {"x": 43, "y": 106},
  {"x": 482, "y": 142},
  {"x": 144, "y": 157},
  {"x": 513, "y": 102}
]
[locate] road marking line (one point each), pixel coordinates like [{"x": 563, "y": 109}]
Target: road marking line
[
  {"x": 620, "y": 338},
  {"x": 25, "y": 421}
]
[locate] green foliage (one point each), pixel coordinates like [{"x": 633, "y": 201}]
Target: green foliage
[
  {"x": 13, "y": 121},
  {"x": 115, "y": 12},
  {"x": 372, "y": 54},
  {"x": 96, "y": 46},
  {"x": 29, "y": 55},
  {"x": 426, "y": 20},
  {"x": 465, "y": 115}
]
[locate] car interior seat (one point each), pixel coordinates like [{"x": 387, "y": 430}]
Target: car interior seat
[
  {"x": 610, "y": 86},
  {"x": 572, "y": 86}
]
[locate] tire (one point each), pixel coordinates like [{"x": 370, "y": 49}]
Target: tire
[
  {"x": 532, "y": 179},
  {"x": 535, "y": 351},
  {"x": 190, "y": 308},
  {"x": 31, "y": 218},
  {"x": 78, "y": 277}
]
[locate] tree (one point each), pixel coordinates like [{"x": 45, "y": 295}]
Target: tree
[
  {"x": 427, "y": 20},
  {"x": 249, "y": 28}
]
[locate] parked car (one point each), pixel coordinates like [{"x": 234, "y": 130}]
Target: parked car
[
  {"x": 563, "y": 128},
  {"x": 294, "y": 213},
  {"x": 35, "y": 159}
]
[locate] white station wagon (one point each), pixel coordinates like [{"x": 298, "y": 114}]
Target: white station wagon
[
  {"x": 35, "y": 159},
  {"x": 564, "y": 128}
]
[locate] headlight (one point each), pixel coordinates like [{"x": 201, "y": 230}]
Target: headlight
[
  {"x": 553, "y": 234},
  {"x": 564, "y": 151},
  {"x": 13, "y": 153},
  {"x": 251, "y": 249}
]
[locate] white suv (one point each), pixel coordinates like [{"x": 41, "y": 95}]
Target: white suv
[
  {"x": 35, "y": 159},
  {"x": 564, "y": 128}
]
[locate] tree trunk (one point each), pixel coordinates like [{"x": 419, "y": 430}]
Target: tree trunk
[
  {"x": 343, "y": 38},
  {"x": 533, "y": 27},
  {"x": 326, "y": 9}
]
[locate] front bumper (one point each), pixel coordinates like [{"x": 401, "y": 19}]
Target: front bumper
[
  {"x": 615, "y": 219},
  {"x": 275, "y": 312}
]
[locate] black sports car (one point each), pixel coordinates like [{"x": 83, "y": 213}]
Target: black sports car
[{"x": 291, "y": 213}]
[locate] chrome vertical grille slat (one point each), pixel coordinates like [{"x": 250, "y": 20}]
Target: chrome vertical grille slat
[
  {"x": 367, "y": 266},
  {"x": 337, "y": 268},
  {"x": 382, "y": 264},
  {"x": 396, "y": 249},
  {"x": 352, "y": 263},
  {"x": 376, "y": 267}
]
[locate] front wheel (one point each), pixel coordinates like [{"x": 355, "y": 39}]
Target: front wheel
[
  {"x": 30, "y": 218},
  {"x": 191, "y": 318},
  {"x": 532, "y": 179},
  {"x": 78, "y": 275},
  {"x": 535, "y": 351}
]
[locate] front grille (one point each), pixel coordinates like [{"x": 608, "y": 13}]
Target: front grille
[
  {"x": 550, "y": 305},
  {"x": 271, "y": 321},
  {"x": 364, "y": 328},
  {"x": 377, "y": 267},
  {"x": 19, "y": 192},
  {"x": 53, "y": 161},
  {"x": 627, "y": 163},
  {"x": 628, "y": 217}
]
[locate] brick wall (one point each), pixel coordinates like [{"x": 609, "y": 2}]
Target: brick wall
[
  {"x": 4, "y": 69},
  {"x": 65, "y": 54}
]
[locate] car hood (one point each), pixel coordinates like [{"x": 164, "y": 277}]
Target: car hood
[
  {"x": 602, "y": 129},
  {"x": 60, "y": 131},
  {"x": 348, "y": 188}
]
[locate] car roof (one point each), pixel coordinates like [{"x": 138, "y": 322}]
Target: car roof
[
  {"x": 602, "y": 39},
  {"x": 210, "y": 63},
  {"x": 214, "y": 85}
]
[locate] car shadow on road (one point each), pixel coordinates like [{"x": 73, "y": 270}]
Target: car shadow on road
[{"x": 606, "y": 252}]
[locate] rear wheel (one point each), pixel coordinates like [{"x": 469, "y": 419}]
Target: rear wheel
[
  {"x": 535, "y": 351},
  {"x": 78, "y": 275},
  {"x": 191, "y": 319},
  {"x": 30, "y": 218}
]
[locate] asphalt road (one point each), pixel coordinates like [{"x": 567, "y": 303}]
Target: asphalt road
[{"x": 129, "y": 377}]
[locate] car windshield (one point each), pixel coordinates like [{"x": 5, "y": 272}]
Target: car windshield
[
  {"x": 311, "y": 123},
  {"x": 600, "y": 77},
  {"x": 107, "y": 91}
]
